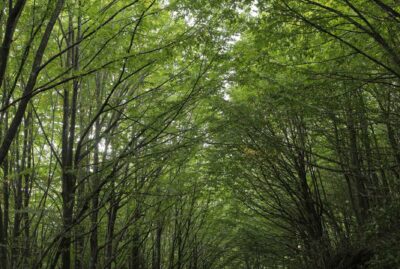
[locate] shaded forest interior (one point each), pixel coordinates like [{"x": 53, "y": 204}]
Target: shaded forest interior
[{"x": 199, "y": 134}]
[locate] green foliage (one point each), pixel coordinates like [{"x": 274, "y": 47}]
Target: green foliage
[{"x": 199, "y": 134}]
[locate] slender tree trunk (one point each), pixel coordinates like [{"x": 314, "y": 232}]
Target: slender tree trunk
[
  {"x": 27, "y": 189},
  {"x": 6, "y": 202},
  {"x": 157, "y": 246},
  {"x": 95, "y": 185},
  {"x": 112, "y": 216},
  {"x": 136, "y": 260},
  {"x": 4, "y": 210}
]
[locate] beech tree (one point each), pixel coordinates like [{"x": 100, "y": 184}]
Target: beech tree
[{"x": 199, "y": 134}]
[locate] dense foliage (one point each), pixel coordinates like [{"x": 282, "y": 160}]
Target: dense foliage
[{"x": 199, "y": 134}]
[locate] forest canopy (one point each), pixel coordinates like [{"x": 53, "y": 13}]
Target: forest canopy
[{"x": 178, "y": 134}]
